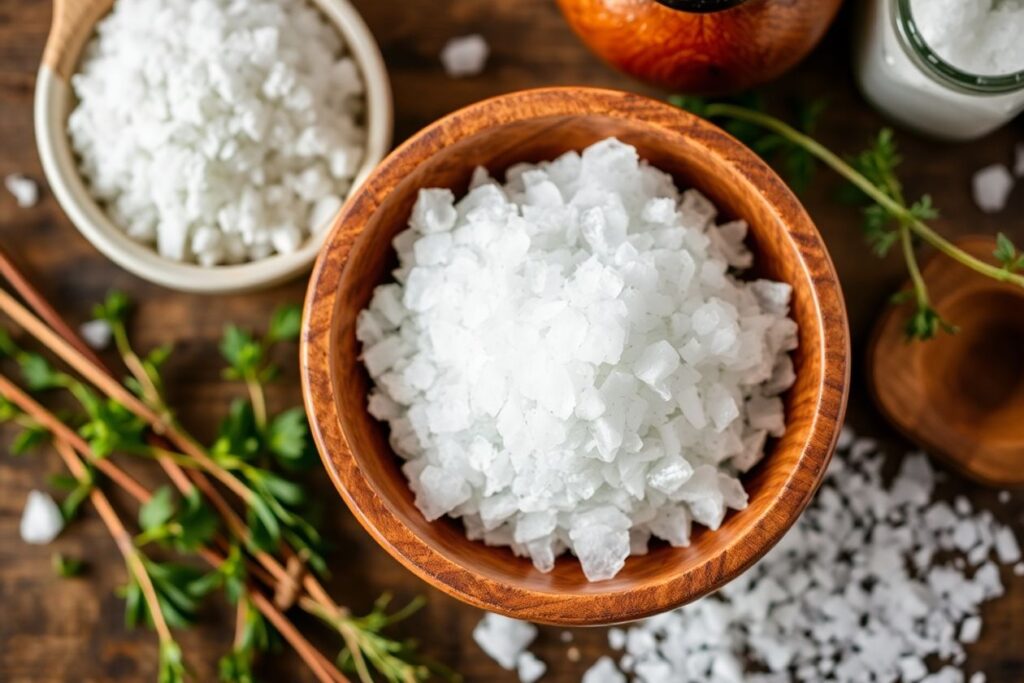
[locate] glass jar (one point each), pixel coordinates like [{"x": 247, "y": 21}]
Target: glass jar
[{"x": 904, "y": 78}]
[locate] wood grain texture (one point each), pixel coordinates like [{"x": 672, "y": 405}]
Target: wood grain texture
[
  {"x": 539, "y": 125},
  {"x": 719, "y": 52},
  {"x": 962, "y": 395},
  {"x": 54, "y": 631}
]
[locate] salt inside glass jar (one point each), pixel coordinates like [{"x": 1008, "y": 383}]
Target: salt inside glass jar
[{"x": 953, "y": 69}]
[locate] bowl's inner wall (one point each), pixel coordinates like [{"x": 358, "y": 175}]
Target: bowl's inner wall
[{"x": 680, "y": 153}]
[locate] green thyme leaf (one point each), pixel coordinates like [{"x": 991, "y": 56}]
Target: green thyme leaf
[
  {"x": 243, "y": 353},
  {"x": 285, "y": 324},
  {"x": 39, "y": 374},
  {"x": 158, "y": 510},
  {"x": 172, "y": 664},
  {"x": 77, "y": 495},
  {"x": 111, "y": 427},
  {"x": 926, "y": 323},
  {"x": 8, "y": 348},
  {"x": 114, "y": 309},
  {"x": 238, "y": 435},
  {"x": 1007, "y": 254},
  {"x": 923, "y": 209},
  {"x": 186, "y": 524},
  {"x": 28, "y": 438},
  {"x": 67, "y": 567},
  {"x": 288, "y": 438}
]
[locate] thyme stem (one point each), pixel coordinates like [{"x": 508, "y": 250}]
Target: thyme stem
[{"x": 897, "y": 209}]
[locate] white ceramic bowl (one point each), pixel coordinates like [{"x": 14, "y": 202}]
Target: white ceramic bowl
[{"x": 54, "y": 101}]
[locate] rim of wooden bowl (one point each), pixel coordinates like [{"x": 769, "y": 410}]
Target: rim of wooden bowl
[
  {"x": 595, "y": 605},
  {"x": 53, "y": 102}
]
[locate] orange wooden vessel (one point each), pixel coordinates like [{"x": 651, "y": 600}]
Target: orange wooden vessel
[
  {"x": 535, "y": 125},
  {"x": 959, "y": 396},
  {"x": 701, "y": 46}
]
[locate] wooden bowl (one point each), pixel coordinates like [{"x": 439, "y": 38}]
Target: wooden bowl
[
  {"x": 74, "y": 23},
  {"x": 532, "y": 126},
  {"x": 728, "y": 50},
  {"x": 959, "y": 396}
]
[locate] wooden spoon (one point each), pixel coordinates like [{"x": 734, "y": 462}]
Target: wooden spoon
[
  {"x": 959, "y": 396},
  {"x": 73, "y": 22}
]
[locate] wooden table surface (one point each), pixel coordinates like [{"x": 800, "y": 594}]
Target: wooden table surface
[{"x": 71, "y": 630}]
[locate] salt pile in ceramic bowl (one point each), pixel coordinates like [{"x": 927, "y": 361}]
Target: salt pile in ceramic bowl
[
  {"x": 569, "y": 362},
  {"x": 218, "y": 132}
]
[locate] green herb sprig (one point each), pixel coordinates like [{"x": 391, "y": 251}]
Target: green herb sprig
[
  {"x": 889, "y": 218},
  {"x": 253, "y": 455}
]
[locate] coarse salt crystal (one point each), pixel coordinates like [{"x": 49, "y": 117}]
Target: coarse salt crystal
[
  {"x": 529, "y": 668},
  {"x": 588, "y": 359},
  {"x": 24, "y": 189},
  {"x": 234, "y": 139},
  {"x": 836, "y": 599},
  {"x": 991, "y": 186},
  {"x": 96, "y": 333},
  {"x": 465, "y": 55},
  {"x": 41, "y": 521},
  {"x": 504, "y": 639},
  {"x": 603, "y": 671}
]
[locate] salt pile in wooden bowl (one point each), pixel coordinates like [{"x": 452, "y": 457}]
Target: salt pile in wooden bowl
[{"x": 569, "y": 362}]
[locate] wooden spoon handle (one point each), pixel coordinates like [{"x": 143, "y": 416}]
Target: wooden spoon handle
[{"x": 73, "y": 22}]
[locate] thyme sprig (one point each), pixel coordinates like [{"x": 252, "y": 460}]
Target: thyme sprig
[
  {"x": 252, "y": 457},
  {"x": 889, "y": 218}
]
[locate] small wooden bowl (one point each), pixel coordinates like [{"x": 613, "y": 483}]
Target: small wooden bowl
[
  {"x": 532, "y": 126},
  {"x": 959, "y": 396},
  {"x": 74, "y": 23}
]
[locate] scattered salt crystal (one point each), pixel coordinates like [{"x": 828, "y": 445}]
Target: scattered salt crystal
[
  {"x": 856, "y": 591},
  {"x": 1018, "y": 569},
  {"x": 96, "y": 333},
  {"x": 604, "y": 671},
  {"x": 1007, "y": 548},
  {"x": 529, "y": 667},
  {"x": 465, "y": 55},
  {"x": 991, "y": 186},
  {"x": 616, "y": 638},
  {"x": 24, "y": 189},
  {"x": 970, "y": 629},
  {"x": 504, "y": 639},
  {"x": 234, "y": 139},
  {"x": 565, "y": 636},
  {"x": 1004, "y": 497},
  {"x": 580, "y": 326},
  {"x": 41, "y": 521}
]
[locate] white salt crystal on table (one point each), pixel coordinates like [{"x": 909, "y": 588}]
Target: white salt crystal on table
[
  {"x": 96, "y": 333},
  {"x": 41, "y": 520},
  {"x": 1007, "y": 547},
  {"x": 991, "y": 187},
  {"x": 970, "y": 629},
  {"x": 504, "y": 639},
  {"x": 24, "y": 189},
  {"x": 465, "y": 55},
  {"x": 529, "y": 668},
  {"x": 576, "y": 334},
  {"x": 866, "y": 586},
  {"x": 604, "y": 671}
]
